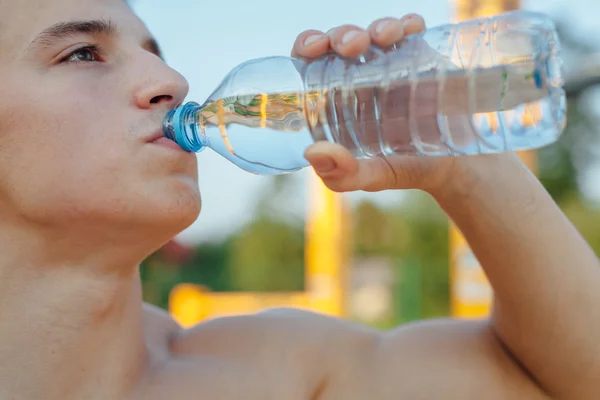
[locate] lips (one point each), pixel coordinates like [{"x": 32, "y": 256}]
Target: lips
[
  {"x": 155, "y": 136},
  {"x": 166, "y": 142}
]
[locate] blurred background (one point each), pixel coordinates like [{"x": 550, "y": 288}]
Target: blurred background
[{"x": 381, "y": 259}]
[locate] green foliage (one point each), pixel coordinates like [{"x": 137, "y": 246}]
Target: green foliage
[
  {"x": 429, "y": 244},
  {"x": 267, "y": 256},
  {"x": 378, "y": 231},
  {"x": 206, "y": 266}
]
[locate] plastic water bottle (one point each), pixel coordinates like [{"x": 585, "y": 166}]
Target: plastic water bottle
[{"x": 486, "y": 85}]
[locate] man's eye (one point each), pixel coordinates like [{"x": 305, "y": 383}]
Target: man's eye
[{"x": 84, "y": 54}]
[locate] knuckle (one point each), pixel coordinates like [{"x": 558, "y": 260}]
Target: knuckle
[
  {"x": 301, "y": 39},
  {"x": 343, "y": 184},
  {"x": 387, "y": 176},
  {"x": 415, "y": 20},
  {"x": 350, "y": 26},
  {"x": 310, "y": 32},
  {"x": 380, "y": 21},
  {"x": 413, "y": 16},
  {"x": 372, "y": 28},
  {"x": 412, "y": 176},
  {"x": 333, "y": 184},
  {"x": 331, "y": 32},
  {"x": 341, "y": 29}
]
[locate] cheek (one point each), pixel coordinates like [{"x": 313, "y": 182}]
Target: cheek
[
  {"x": 56, "y": 154},
  {"x": 54, "y": 177}
]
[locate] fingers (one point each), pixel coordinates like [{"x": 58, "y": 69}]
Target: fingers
[
  {"x": 335, "y": 166},
  {"x": 386, "y": 31},
  {"x": 413, "y": 23},
  {"x": 341, "y": 172},
  {"x": 310, "y": 44},
  {"x": 349, "y": 40},
  {"x": 331, "y": 160},
  {"x": 346, "y": 40},
  {"x": 352, "y": 41}
]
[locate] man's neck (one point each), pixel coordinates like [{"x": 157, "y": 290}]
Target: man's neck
[{"x": 76, "y": 329}]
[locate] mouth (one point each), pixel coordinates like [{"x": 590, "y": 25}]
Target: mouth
[{"x": 159, "y": 139}]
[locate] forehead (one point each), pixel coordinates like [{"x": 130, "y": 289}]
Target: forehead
[{"x": 22, "y": 20}]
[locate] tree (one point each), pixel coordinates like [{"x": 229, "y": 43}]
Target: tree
[{"x": 268, "y": 253}]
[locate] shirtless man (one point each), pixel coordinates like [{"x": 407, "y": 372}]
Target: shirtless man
[{"x": 85, "y": 197}]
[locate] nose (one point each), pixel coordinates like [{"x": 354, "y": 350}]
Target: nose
[{"x": 163, "y": 87}]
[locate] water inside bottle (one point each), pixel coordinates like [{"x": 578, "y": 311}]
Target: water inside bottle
[
  {"x": 465, "y": 112},
  {"x": 261, "y": 133}
]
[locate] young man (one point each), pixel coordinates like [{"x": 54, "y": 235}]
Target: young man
[{"x": 87, "y": 192}]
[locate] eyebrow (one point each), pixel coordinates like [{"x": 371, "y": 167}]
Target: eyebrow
[{"x": 63, "y": 30}]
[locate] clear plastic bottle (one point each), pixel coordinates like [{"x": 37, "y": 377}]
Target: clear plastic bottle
[{"x": 486, "y": 85}]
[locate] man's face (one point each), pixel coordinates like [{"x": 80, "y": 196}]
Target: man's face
[{"x": 78, "y": 107}]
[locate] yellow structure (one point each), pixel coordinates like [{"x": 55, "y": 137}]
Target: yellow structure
[
  {"x": 471, "y": 293},
  {"x": 326, "y": 257}
]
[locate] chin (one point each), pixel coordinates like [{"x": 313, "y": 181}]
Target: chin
[{"x": 175, "y": 207}]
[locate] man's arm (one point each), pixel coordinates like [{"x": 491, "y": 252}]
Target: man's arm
[
  {"x": 542, "y": 339},
  {"x": 546, "y": 278}
]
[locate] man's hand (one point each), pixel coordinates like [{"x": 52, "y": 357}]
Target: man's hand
[{"x": 337, "y": 167}]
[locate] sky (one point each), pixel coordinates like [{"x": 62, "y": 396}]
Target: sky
[{"x": 204, "y": 40}]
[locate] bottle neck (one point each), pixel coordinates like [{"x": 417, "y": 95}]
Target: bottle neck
[{"x": 181, "y": 126}]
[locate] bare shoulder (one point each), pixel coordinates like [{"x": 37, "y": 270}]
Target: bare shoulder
[
  {"x": 303, "y": 345},
  {"x": 158, "y": 322},
  {"x": 295, "y": 330},
  {"x": 269, "y": 355},
  {"x": 159, "y": 329}
]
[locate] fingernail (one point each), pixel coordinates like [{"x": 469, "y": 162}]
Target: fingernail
[
  {"x": 312, "y": 39},
  {"x": 323, "y": 164},
  {"x": 382, "y": 25},
  {"x": 348, "y": 36},
  {"x": 406, "y": 22}
]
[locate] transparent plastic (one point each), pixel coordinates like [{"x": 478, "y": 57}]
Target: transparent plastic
[{"x": 487, "y": 85}]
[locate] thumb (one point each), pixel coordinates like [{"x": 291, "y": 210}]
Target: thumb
[{"x": 342, "y": 172}]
